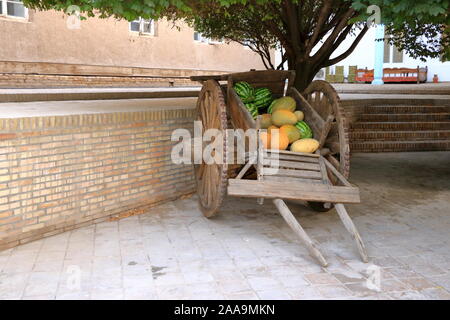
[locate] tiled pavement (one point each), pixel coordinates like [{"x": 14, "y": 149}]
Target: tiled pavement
[{"x": 248, "y": 252}]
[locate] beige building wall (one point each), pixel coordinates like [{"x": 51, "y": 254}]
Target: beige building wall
[{"x": 45, "y": 37}]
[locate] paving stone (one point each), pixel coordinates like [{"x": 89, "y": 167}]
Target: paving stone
[
  {"x": 248, "y": 251},
  {"x": 419, "y": 283},
  {"x": 170, "y": 278},
  {"x": 233, "y": 287},
  {"x": 408, "y": 295},
  {"x": 273, "y": 295},
  {"x": 321, "y": 278},
  {"x": 436, "y": 293},
  {"x": 42, "y": 283},
  {"x": 140, "y": 293},
  {"x": 243, "y": 295},
  {"x": 304, "y": 293},
  {"x": 172, "y": 292},
  {"x": 394, "y": 285},
  {"x": 334, "y": 291},
  {"x": 361, "y": 289},
  {"x": 259, "y": 283},
  {"x": 107, "y": 294}
]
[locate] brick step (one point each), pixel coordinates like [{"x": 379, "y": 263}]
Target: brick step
[
  {"x": 399, "y": 135},
  {"x": 400, "y": 126},
  {"x": 400, "y": 146},
  {"x": 405, "y": 117},
  {"x": 406, "y": 109}
]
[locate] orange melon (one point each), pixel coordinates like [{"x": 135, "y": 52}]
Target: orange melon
[
  {"x": 265, "y": 138},
  {"x": 292, "y": 132},
  {"x": 272, "y": 127},
  {"x": 279, "y": 140}
]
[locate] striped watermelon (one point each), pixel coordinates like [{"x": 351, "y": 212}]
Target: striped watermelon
[
  {"x": 253, "y": 109},
  {"x": 271, "y": 106},
  {"x": 305, "y": 130},
  {"x": 263, "y": 97},
  {"x": 245, "y": 91}
]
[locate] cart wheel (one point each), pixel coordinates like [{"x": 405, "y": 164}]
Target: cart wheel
[
  {"x": 324, "y": 99},
  {"x": 212, "y": 179}
]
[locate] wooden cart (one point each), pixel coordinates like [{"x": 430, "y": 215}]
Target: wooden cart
[{"x": 320, "y": 178}]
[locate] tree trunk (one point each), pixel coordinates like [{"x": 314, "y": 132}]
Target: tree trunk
[{"x": 305, "y": 73}]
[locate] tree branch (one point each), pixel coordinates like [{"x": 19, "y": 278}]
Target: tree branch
[
  {"x": 349, "y": 50},
  {"x": 332, "y": 38},
  {"x": 323, "y": 15}
]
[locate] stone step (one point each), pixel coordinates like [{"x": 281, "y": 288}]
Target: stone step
[
  {"x": 400, "y": 126},
  {"x": 400, "y": 146},
  {"x": 399, "y": 135},
  {"x": 406, "y": 109},
  {"x": 404, "y": 117}
]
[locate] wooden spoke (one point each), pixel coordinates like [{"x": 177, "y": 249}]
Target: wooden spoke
[
  {"x": 212, "y": 179},
  {"x": 325, "y": 101}
]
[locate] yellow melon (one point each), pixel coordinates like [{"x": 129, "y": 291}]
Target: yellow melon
[
  {"x": 284, "y": 103},
  {"x": 305, "y": 146},
  {"x": 266, "y": 121},
  {"x": 300, "y": 115},
  {"x": 283, "y": 117}
]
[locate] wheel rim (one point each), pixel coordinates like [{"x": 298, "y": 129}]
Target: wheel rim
[
  {"x": 324, "y": 99},
  {"x": 212, "y": 179}
]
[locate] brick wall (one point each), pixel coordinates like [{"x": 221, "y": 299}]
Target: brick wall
[
  {"x": 60, "y": 173},
  {"x": 16, "y": 74},
  {"x": 69, "y": 81}
]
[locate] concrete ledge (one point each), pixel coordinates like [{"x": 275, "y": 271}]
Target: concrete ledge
[
  {"x": 397, "y": 99},
  {"x": 16, "y": 110},
  {"x": 442, "y": 88},
  {"x": 30, "y": 95}
]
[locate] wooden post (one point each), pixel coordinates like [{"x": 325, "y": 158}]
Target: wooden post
[
  {"x": 293, "y": 223},
  {"x": 260, "y": 157},
  {"x": 350, "y": 226}
]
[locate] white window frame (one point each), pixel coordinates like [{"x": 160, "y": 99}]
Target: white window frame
[
  {"x": 247, "y": 45},
  {"x": 202, "y": 39},
  {"x": 141, "y": 27},
  {"x": 4, "y": 4}
]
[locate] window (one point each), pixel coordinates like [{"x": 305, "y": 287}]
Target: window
[
  {"x": 247, "y": 44},
  {"x": 143, "y": 26},
  {"x": 13, "y": 9},
  {"x": 198, "y": 36},
  {"x": 391, "y": 53}
]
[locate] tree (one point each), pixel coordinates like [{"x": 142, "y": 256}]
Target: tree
[{"x": 308, "y": 31}]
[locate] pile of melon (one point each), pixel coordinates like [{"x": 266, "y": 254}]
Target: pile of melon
[{"x": 286, "y": 128}]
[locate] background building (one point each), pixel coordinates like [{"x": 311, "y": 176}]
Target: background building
[
  {"x": 49, "y": 48},
  {"x": 364, "y": 57}
]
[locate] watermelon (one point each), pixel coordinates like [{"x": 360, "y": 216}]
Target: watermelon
[
  {"x": 253, "y": 109},
  {"x": 271, "y": 106},
  {"x": 245, "y": 91},
  {"x": 263, "y": 97},
  {"x": 305, "y": 130}
]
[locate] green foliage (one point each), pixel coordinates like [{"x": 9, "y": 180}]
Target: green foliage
[{"x": 420, "y": 27}]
